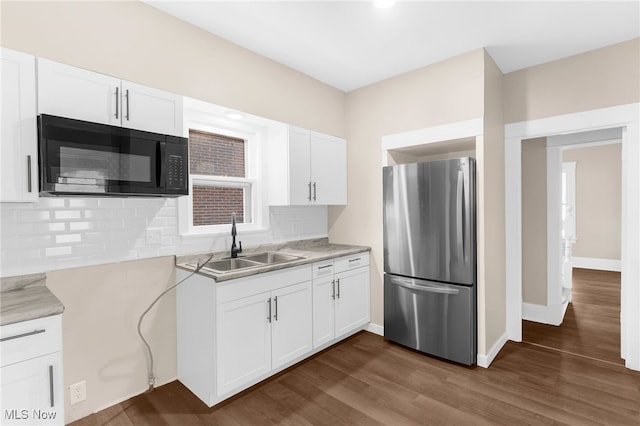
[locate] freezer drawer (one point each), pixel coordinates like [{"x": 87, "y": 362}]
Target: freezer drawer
[{"x": 434, "y": 318}]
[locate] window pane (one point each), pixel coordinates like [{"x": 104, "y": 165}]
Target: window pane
[
  {"x": 216, "y": 155},
  {"x": 213, "y": 205}
]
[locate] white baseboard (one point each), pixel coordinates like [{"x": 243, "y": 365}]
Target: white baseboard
[
  {"x": 375, "y": 329},
  {"x": 486, "y": 360},
  {"x": 552, "y": 314},
  {"x": 599, "y": 264}
]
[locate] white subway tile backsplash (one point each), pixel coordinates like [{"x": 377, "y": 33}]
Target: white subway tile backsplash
[
  {"x": 57, "y": 233},
  {"x": 68, "y": 238},
  {"x": 58, "y": 251},
  {"x": 33, "y": 216},
  {"x": 67, "y": 214},
  {"x": 81, "y": 226}
]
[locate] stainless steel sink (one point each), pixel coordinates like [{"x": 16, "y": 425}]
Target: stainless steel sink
[
  {"x": 271, "y": 257},
  {"x": 251, "y": 261}
]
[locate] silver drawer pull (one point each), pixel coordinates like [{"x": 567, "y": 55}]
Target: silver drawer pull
[
  {"x": 51, "y": 397},
  {"x": 28, "y": 173},
  {"x": 325, "y": 266},
  {"x": 355, "y": 260},
  {"x": 18, "y": 336}
]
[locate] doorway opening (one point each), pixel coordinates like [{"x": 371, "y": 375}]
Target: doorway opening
[
  {"x": 575, "y": 181},
  {"x": 624, "y": 117}
]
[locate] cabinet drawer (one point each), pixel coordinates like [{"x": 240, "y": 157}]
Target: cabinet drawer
[
  {"x": 350, "y": 262},
  {"x": 323, "y": 269},
  {"x": 30, "y": 339}
]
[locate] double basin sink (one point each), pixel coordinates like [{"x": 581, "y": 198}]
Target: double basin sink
[{"x": 250, "y": 261}]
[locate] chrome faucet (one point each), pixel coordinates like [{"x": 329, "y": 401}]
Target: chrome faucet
[{"x": 234, "y": 250}]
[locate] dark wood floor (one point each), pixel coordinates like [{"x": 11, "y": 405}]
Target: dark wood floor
[
  {"x": 591, "y": 326},
  {"x": 366, "y": 380}
]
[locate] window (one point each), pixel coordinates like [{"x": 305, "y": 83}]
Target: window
[
  {"x": 220, "y": 187},
  {"x": 225, "y": 171}
]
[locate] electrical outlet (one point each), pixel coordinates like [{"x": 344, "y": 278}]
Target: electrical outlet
[
  {"x": 77, "y": 392},
  {"x": 154, "y": 236}
]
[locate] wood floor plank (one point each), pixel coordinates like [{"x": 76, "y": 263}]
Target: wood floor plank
[
  {"x": 591, "y": 326},
  {"x": 366, "y": 380},
  {"x": 357, "y": 383}
]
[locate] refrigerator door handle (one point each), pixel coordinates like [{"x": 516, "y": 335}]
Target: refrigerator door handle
[
  {"x": 459, "y": 218},
  {"x": 426, "y": 288}
]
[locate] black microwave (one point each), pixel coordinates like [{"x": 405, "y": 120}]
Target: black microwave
[{"x": 82, "y": 158}]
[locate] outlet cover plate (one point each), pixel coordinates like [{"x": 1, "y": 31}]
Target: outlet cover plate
[{"x": 77, "y": 392}]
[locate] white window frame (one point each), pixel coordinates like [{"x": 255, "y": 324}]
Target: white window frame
[{"x": 209, "y": 118}]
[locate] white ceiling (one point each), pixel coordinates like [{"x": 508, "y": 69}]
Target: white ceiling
[{"x": 350, "y": 44}]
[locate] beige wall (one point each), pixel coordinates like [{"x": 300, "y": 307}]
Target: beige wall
[
  {"x": 534, "y": 221},
  {"x": 596, "y": 79},
  {"x": 491, "y": 213},
  {"x": 136, "y": 42},
  {"x": 598, "y": 200},
  {"x": 100, "y": 341},
  {"x": 446, "y": 92}
]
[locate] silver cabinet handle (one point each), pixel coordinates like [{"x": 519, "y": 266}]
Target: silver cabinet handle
[
  {"x": 325, "y": 266},
  {"x": 338, "y": 284},
  {"x": 51, "y": 397},
  {"x": 425, "y": 288},
  {"x": 275, "y": 315},
  {"x": 18, "y": 336},
  {"x": 269, "y": 304},
  {"x": 459, "y": 207},
  {"x": 333, "y": 289},
  {"x": 28, "y": 173},
  {"x": 309, "y": 191},
  {"x": 127, "y": 96},
  {"x": 314, "y": 191},
  {"x": 355, "y": 260},
  {"x": 117, "y": 101}
]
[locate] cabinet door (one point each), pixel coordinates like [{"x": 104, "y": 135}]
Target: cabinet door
[
  {"x": 32, "y": 392},
  {"x": 323, "y": 312},
  {"x": 243, "y": 341},
  {"x": 328, "y": 169},
  {"x": 299, "y": 172},
  {"x": 352, "y": 300},
  {"x": 72, "y": 92},
  {"x": 18, "y": 146},
  {"x": 291, "y": 323},
  {"x": 151, "y": 110}
]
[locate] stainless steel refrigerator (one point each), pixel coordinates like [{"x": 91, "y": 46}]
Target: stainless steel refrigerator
[{"x": 430, "y": 258}]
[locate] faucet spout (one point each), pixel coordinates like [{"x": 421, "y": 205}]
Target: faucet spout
[{"x": 234, "y": 249}]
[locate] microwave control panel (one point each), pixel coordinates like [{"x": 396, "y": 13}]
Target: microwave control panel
[{"x": 175, "y": 172}]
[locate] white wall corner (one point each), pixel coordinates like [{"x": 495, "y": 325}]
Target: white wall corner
[
  {"x": 599, "y": 264},
  {"x": 375, "y": 329},
  {"x": 486, "y": 360},
  {"x": 553, "y": 314}
]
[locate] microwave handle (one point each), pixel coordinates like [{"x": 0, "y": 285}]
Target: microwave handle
[{"x": 161, "y": 153}]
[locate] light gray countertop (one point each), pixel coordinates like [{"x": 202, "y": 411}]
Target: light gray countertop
[
  {"x": 311, "y": 251},
  {"x": 26, "y": 297}
]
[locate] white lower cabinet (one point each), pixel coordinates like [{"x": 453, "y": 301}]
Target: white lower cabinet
[
  {"x": 263, "y": 332},
  {"x": 234, "y": 333},
  {"x": 244, "y": 341},
  {"x": 340, "y": 297},
  {"x": 31, "y": 373}
]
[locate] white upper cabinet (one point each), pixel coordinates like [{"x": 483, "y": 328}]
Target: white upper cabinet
[
  {"x": 307, "y": 167},
  {"x": 328, "y": 169},
  {"x": 72, "y": 92},
  {"x": 19, "y": 143}
]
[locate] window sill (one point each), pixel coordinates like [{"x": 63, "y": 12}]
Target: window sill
[{"x": 211, "y": 234}]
